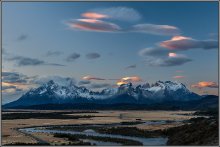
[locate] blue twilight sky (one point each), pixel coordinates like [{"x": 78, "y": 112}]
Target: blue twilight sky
[{"x": 99, "y": 43}]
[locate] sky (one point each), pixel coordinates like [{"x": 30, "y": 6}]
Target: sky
[{"x": 105, "y": 44}]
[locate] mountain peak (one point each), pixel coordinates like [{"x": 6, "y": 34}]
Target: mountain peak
[
  {"x": 53, "y": 92},
  {"x": 50, "y": 82}
]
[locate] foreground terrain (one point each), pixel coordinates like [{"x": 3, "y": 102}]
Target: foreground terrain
[{"x": 44, "y": 127}]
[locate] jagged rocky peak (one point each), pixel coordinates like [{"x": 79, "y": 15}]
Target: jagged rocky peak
[
  {"x": 146, "y": 85},
  {"x": 109, "y": 91},
  {"x": 50, "y": 82},
  {"x": 52, "y": 92},
  {"x": 168, "y": 84}
]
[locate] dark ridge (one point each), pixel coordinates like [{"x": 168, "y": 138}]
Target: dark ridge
[{"x": 208, "y": 102}]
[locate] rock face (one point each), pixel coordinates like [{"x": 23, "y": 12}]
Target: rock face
[{"x": 53, "y": 93}]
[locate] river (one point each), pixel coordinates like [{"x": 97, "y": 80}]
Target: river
[{"x": 145, "y": 141}]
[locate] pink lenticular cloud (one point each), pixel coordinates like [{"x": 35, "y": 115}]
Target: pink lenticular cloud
[
  {"x": 133, "y": 79},
  {"x": 93, "y": 25},
  {"x": 185, "y": 43},
  {"x": 172, "y": 55},
  {"x": 179, "y": 77},
  {"x": 175, "y": 55},
  {"x": 179, "y": 42},
  {"x": 93, "y": 15},
  {"x": 126, "y": 80},
  {"x": 92, "y": 78},
  {"x": 89, "y": 20},
  {"x": 175, "y": 38},
  {"x": 204, "y": 84}
]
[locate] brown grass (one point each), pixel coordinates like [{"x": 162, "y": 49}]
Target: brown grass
[{"x": 10, "y": 135}]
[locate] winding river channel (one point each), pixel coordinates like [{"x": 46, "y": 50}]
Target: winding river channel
[{"x": 90, "y": 132}]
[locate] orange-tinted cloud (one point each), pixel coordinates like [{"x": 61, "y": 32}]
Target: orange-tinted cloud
[
  {"x": 175, "y": 55},
  {"x": 13, "y": 87},
  {"x": 126, "y": 80},
  {"x": 172, "y": 55},
  {"x": 185, "y": 43},
  {"x": 92, "y": 78},
  {"x": 121, "y": 82},
  {"x": 131, "y": 66},
  {"x": 132, "y": 79},
  {"x": 175, "y": 38},
  {"x": 93, "y": 25},
  {"x": 179, "y": 77},
  {"x": 93, "y": 15},
  {"x": 204, "y": 84},
  {"x": 177, "y": 42}
]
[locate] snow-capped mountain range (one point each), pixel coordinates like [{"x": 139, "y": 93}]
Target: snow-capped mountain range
[{"x": 54, "y": 93}]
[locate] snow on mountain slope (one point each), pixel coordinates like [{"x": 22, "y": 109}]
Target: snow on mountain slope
[
  {"x": 68, "y": 91},
  {"x": 158, "y": 90},
  {"x": 52, "y": 92}
]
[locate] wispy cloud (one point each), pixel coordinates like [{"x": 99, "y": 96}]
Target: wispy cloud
[
  {"x": 8, "y": 87},
  {"x": 169, "y": 61},
  {"x": 186, "y": 43},
  {"x": 92, "y": 78},
  {"x": 153, "y": 51},
  {"x": 14, "y": 77},
  {"x": 93, "y": 55},
  {"x": 26, "y": 61},
  {"x": 156, "y": 29},
  {"x": 97, "y": 78},
  {"x": 72, "y": 57},
  {"x": 161, "y": 57},
  {"x": 54, "y": 64},
  {"x": 22, "y": 37},
  {"x": 14, "y": 84},
  {"x": 204, "y": 84},
  {"x": 131, "y": 66},
  {"x": 119, "y": 13},
  {"x": 11, "y": 89}
]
